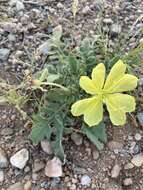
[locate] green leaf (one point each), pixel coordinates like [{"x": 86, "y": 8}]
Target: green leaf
[
  {"x": 52, "y": 77},
  {"x": 57, "y": 145},
  {"x": 57, "y": 95},
  {"x": 73, "y": 63},
  {"x": 95, "y": 134},
  {"x": 44, "y": 75},
  {"x": 15, "y": 98},
  {"x": 67, "y": 130},
  {"x": 100, "y": 131},
  {"x": 40, "y": 130},
  {"x": 112, "y": 61}
]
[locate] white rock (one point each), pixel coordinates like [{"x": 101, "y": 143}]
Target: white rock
[
  {"x": 12, "y": 3},
  {"x": 128, "y": 181},
  {"x": 116, "y": 29},
  {"x": 4, "y": 53},
  {"x": 3, "y": 159},
  {"x": 53, "y": 168},
  {"x": 46, "y": 146},
  {"x": 115, "y": 171},
  {"x": 11, "y": 37},
  {"x": 60, "y": 5},
  {"x": 140, "y": 81},
  {"x": 128, "y": 166},
  {"x": 108, "y": 21},
  {"x": 137, "y": 160},
  {"x": 85, "y": 180},
  {"x": 141, "y": 40},
  {"x": 138, "y": 137},
  {"x": 20, "y": 159},
  {"x": 86, "y": 10},
  {"x": 19, "y": 6},
  {"x": 1, "y": 176}
]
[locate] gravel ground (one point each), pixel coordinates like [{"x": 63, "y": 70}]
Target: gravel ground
[{"x": 24, "y": 26}]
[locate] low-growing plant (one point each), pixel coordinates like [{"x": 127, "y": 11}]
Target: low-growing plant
[
  {"x": 55, "y": 111},
  {"x": 55, "y": 89}
]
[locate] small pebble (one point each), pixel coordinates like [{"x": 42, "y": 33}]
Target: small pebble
[
  {"x": 140, "y": 118},
  {"x": 35, "y": 177},
  {"x": 73, "y": 187},
  {"x": 55, "y": 181},
  {"x": 138, "y": 137},
  {"x": 20, "y": 158},
  {"x": 140, "y": 81},
  {"x": 128, "y": 166},
  {"x": 28, "y": 185},
  {"x": 1, "y": 176},
  {"x": 46, "y": 146},
  {"x": 137, "y": 160},
  {"x": 37, "y": 166},
  {"x": 12, "y": 2},
  {"x": 54, "y": 168},
  {"x": 128, "y": 181},
  {"x": 60, "y": 5},
  {"x": 115, "y": 29},
  {"x": 3, "y": 159},
  {"x": 20, "y": 6},
  {"x": 108, "y": 21},
  {"x": 4, "y": 53},
  {"x": 85, "y": 180},
  {"x": 77, "y": 138},
  {"x": 115, "y": 171},
  {"x": 135, "y": 148},
  {"x": 95, "y": 155},
  {"x": 11, "y": 37},
  {"x": 86, "y": 10}
]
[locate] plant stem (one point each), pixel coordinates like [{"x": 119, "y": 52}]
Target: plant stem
[{"x": 55, "y": 84}]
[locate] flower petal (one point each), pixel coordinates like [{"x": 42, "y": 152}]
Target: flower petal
[
  {"x": 87, "y": 84},
  {"x": 117, "y": 72},
  {"x": 94, "y": 114},
  {"x": 117, "y": 117},
  {"x": 79, "y": 107},
  {"x": 98, "y": 76},
  {"x": 91, "y": 108},
  {"x": 126, "y": 83},
  {"x": 118, "y": 104}
]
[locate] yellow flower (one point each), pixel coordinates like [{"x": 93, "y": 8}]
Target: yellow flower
[{"x": 106, "y": 92}]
